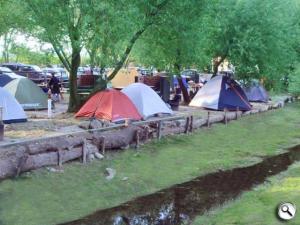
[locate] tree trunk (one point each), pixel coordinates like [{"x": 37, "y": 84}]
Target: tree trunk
[
  {"x": 216, "y": 65},
  {"x": 75, "y": 62},
  {"x": 7, "y": 38}
]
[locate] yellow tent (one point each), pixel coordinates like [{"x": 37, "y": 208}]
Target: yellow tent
[{"x": 124, "y": 77}]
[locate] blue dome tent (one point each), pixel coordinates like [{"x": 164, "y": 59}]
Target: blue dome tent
[
  {"x": 221, "y": 93},
  {"x": 256, "y": 92}
]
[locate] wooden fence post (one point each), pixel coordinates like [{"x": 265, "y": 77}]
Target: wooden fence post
[
  {"x": 59, "y": 157},
  {"x": 187, "y": 123},
  {"x": 208, "y": 119},
  {"x": 147, "y": 133},
  {"x": 158, "y": 131},
  {"x": 84, "y": 152},
  {"x": 21, "y": 164},
  {"x": 102, "y": 145},
  {"x": 137, "y": 139},
  {"x": 192, "y": 124},
  {"x": 225, "y": 116}
]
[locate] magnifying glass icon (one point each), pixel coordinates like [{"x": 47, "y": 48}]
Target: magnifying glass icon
[{"x": 286, "y": 209}]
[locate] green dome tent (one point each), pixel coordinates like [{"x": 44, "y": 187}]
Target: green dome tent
[{"x": 28, "y": 94}]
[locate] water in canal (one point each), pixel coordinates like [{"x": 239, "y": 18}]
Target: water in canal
[{"x": 181, "y": 203}]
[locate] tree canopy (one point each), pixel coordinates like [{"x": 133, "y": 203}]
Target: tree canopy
[{"x": 260, "y": 38}]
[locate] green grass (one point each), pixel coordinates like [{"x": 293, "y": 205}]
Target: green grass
[
  {"x": 258, "y": 207},
  {"x": 42, "y": 198}
]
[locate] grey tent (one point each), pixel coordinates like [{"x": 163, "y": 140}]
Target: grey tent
[
  {"x": 12, "y": 110},
  {"x": 146, "y": 100},
  {"x": 256, "y": 92},
  {"x": 27, "y": 93}
]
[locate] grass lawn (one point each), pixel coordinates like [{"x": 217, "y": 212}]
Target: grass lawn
[
  {"x": 42, "y": 198},
  {"x": 259, "y": 205}
]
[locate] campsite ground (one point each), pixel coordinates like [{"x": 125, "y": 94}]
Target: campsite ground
[
  {"x": 44, "y": 197},
  {"x": 40, "y": 125}
]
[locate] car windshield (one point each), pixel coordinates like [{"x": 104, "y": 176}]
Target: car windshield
[
  {"x": 36, "y": 68},
  {"x": 5, "y": 69}
]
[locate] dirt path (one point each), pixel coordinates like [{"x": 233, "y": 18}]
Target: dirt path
[{"x": 61, "y": 122}]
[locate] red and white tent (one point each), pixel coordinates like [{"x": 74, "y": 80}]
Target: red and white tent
[{"x": 109, "y": 105}]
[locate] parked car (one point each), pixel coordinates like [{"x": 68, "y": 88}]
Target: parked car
[
  {"x": 9, "y": 72},
  {"x": 85, "y": 70},
  {"x": 60, "y": 73},
  {"x": 32, "y": 72},
  {"x": 145, "y": 72}
]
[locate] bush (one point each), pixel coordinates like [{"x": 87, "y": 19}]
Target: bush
[{"x": 294, "y": 82}]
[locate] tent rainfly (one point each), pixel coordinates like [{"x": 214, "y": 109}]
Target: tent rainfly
[
  {"x": 28, "y": 94},
  {"x": 4, "y": 79},
  {"x": 146, "y": 100},
  {"x": 109, "y": 105},
  {"x": 11, "y": 109},
  {"x": 221, "y": 93}
]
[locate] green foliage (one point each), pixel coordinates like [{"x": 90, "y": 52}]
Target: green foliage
[
  {"x": 256, "y": 36},
  {"x": 294, "y": 81},
  {"x": 260, "y": 38},
  {"x": 175, "y": 43},
  {"x": 25, "y": 55}
]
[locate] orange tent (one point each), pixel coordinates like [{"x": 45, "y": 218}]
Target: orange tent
[{"x": 110, "y": 105}]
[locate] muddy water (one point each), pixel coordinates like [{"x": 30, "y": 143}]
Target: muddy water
[{"x": 181, "y": 203}]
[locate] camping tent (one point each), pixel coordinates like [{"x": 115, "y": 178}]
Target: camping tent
[
  {"x": 12, "y": 110},
  {"x": 146, "y": 100},
  {"x": 28, "y": 94},
  {"x": 124, "y": 77},
  {"x": 256, "y": 92},
  {"x": 110, "y": 105},
  {"x": 4, "y": 79},
  {"x": 219, "y": 93}
]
